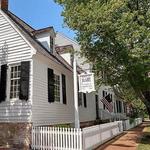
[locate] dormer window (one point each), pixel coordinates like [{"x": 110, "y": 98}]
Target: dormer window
[
  {"x": 51, "y": 43},
  {"x": 46, "y": 37}
]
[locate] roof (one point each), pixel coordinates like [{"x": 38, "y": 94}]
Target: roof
[
  {"x": 43, "y": 30},
  {"x": 64, "y": 49},
  {"x": 28, "y": 31},
  {"x": 68, "y": 38}
]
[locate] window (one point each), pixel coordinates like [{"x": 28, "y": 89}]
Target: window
[
  {"x": 15, "y": 81},
  {"x": 56, "y": 88},
  {"x": 118, "y": 103},
  {"x": 51, "y": 43},
  {"x": 45, "y": 44}
]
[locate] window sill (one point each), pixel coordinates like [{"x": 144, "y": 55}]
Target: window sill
[{"x": 58, "y": 103}]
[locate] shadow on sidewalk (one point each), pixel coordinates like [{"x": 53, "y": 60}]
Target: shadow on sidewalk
[
  {"x": 145, "y": 138},
  {"x": 131, "y": 136}
]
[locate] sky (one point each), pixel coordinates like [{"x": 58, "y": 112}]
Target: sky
[{"x": 40, "y": 14}]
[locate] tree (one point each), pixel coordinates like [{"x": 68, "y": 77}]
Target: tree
[{"x": 115, "y": 36}]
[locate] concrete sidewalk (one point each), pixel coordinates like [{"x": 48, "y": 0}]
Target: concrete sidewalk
[{"x": 128, "y": 141}]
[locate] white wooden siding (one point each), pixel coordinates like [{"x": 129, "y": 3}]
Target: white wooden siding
[
  {"x": 44, "y": 112},
  {"x": 18, "y": 50},
  {"x": 17, "y": 111},
  {"x": 56, "y": 113},
  {"x": 88, "y": 113},
  {"x": 67, "y": 57}
]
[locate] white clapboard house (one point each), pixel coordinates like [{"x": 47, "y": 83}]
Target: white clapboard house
[{"x": 36, "y": 83}]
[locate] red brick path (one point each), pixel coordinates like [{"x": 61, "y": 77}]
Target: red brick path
[{"x": 128, "y": 141}]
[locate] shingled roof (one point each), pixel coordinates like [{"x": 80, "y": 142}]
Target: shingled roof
[
  {"x": 29, "y": 34},
  {"x": 43, "y": 30},
  {"x": 64, "y": 49}
]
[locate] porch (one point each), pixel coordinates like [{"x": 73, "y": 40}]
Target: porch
[{"x": 105, "y": 115}]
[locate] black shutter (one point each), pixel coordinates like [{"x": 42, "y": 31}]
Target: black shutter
[
  {"x": 79, "y": 97},
  {"x": 117, "y": 102},
  {"x": 97, "y": 107},
  {"x": 104, "y": 96},
  {"x": 64, "y": 89},
  {"x": 84, "y": 98},
  {"x": 3, "y": 83},
  {"x": 120, "y": 107},
  {"x": 103, "y": 93},
  {"x": 50, "y": 85},
  {"x": 24, "y": 80}
]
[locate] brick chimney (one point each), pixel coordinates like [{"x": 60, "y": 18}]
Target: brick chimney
[{"x": 4, "y": 5}]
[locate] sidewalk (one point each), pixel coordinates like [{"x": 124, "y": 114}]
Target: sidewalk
[{"x": 128, "y": 141}]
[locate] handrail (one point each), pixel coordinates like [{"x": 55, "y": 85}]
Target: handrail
[{"x": 104, "y": 114}]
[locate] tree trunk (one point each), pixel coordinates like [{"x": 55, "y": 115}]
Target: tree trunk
[
  {"x": 148, "y": 110},
  {"x": 146, "y": 95},
  {"x": 145, "y": 98}
]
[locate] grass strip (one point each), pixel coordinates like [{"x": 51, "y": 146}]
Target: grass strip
[{"x": 145, "y": 140}]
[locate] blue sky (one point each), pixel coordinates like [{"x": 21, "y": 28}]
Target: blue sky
[{"x": 40, "y": 14}]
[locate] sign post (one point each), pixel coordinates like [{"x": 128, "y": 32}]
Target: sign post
[
  {"x": 86, "y": 85},
  {"x": 77, "y": 122}
]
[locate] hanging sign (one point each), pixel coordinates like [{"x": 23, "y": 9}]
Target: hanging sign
[{"x": 86, "y": 83}]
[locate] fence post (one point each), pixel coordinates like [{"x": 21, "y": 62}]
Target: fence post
[
  {"x": 100, "y": 134},
  {"x": 81, "y": 139}
]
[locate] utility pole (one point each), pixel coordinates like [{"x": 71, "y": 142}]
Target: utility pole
[{"x": 77, "y": 122}]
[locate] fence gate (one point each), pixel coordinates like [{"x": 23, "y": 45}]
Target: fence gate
[{"x": 51, "y": 138}]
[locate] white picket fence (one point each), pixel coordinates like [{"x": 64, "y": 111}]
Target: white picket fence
[
  {"x": 51, "y": 138},
  {"x": 127, "y": 125},
  {"x": 97, "y": 135}
]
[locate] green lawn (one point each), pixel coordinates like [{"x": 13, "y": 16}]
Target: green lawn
[{"x": 145, "y": 140}]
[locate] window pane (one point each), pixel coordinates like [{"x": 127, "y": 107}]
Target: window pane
[
  {"x": 57, "y": 87},
  {"x": 15, "y": 81},
  {"x": 15, "y": 68}
]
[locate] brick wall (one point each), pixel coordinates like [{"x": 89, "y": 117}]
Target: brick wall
[{"x": 15, "y": 135}]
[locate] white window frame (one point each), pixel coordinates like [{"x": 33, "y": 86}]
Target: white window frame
[
  {"x": 51, "y": 43},
  {"x": 58, "y": 74},
  {"x": 9, "y": 82}
]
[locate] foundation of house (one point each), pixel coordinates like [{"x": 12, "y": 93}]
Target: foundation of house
[
  {"x": 87, "y": 124},
  {"x": 15, "y": 135}
]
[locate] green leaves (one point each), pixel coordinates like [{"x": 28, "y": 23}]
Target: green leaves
[{"x": 115, "y": 36}]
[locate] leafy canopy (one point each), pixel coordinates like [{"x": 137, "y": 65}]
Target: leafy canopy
[{"x": 115, "y": 36}]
